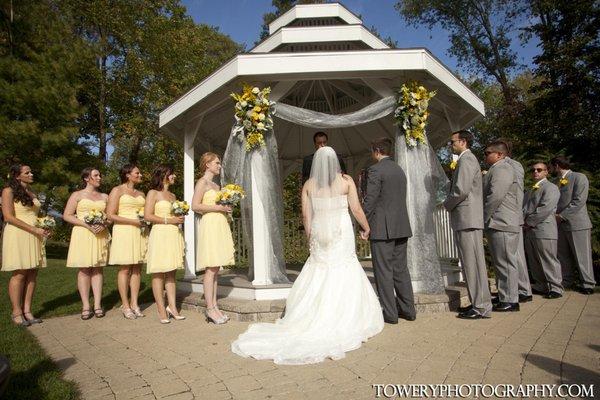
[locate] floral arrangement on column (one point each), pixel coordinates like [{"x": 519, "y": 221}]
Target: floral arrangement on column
[
  {"x": 411, "y": 112},
  {"x": 252, "y": 115}
]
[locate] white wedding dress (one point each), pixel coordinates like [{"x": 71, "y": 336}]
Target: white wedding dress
[{"x": 332, "y": 307}]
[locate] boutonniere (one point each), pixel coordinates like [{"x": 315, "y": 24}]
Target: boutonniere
[
  {"x": 535, "y": 186},
  {"x": 485, "y": 171},
  {"x": 453, "y": 165},
  {"x": 563, "y": 181}
]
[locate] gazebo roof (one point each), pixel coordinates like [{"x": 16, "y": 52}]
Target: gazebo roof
[{"x": 321, "y": 57}]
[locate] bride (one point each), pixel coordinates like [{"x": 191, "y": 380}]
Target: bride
[{"x": 331, "y": 308}]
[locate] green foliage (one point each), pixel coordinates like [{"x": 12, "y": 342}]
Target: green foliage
[
  {"x": 478, "y": 32},
  {"x": 38, "y": 104}
]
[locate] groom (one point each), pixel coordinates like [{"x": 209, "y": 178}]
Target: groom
[{"x": 385, "y": 208}]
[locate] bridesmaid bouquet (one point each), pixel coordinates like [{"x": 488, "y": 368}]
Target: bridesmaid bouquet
[
  {"x": 95, "y": 217},
  {"x": 230, "y": 195},
  {"x": 47, "y": 223},
  {"x": 180, "y": 208}
]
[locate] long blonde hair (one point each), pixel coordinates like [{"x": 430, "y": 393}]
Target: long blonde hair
[{"x": 205, "y": 159}]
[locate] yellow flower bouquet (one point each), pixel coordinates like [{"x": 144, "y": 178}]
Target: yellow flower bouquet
[
  {"x": 411, "y": 112},
  {"x": 47, "y": 223},
  {"x": 180, "y": 208},
  {"x": 230, "y": 195},
  {"x": 252, "y": 115},
  {"x": 95, "y": 217}
]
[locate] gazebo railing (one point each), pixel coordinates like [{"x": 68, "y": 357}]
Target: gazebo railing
[{"x": 296, "y": 245}]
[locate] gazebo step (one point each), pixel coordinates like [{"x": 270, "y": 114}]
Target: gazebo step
[{"x": 242, "y": 301}]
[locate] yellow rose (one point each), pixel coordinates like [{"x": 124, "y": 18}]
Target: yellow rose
[
  {"x": 453, "y": 165},
  {"x": 563, "y": 181}
]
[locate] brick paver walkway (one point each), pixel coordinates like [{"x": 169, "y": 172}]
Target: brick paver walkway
[{"x": 549, "y": 341}]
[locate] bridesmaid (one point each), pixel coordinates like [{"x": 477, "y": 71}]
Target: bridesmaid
[
  {"x": 88, "y": 249},
  {"x": 214, "y": 241},
  {"x": 128, "y": 244},
  {"x": 166, "y": 245},
  {"x": 22, "y": 244}
]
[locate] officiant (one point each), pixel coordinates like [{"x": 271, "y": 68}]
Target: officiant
[{"x": 320, "y": 140}]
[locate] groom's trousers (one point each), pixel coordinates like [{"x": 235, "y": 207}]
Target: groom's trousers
[{"x": 391, "y": 274}]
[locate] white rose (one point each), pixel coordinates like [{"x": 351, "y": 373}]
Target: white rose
[
  {"x": 261, "y": 116},
  {"x": 255, "y": 90},
  {"x": 249, "y": 113},
  {"x": 260, "y": 126},
  {"x": 244, "y": 103}
]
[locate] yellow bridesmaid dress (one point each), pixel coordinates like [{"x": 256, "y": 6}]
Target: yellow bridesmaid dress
[
  {"x": 21, "y": 249},
  {"x": 128, "y": 244},
  {"x": 86, "y": 249},
  {"x": 165, "y": 246},
  {"x": 214, "y": 243}
]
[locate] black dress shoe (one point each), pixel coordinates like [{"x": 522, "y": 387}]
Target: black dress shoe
[
  {"x": 525, "y": 299},
  {"x": 464, "y": 309},
  {"x": 495, "y": 300},
  {"x": 538, "y": 292},
  {"x": 504, "y": 307},
  {"x": 390, "y": 321},
  {"x": 409, "y": 318},
  {"x": 553, "y": 295},
  {"x": 471, "y": 314},
  {"x": 586, "y": 291}
]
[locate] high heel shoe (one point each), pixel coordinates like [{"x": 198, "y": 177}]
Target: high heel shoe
[
  {"x": 209, "y": 319},
  {"x": 138, "y": 313},
  {"x": 165, "y": 321},
  {"x": 170, "y": 314},
  {"x": 23, "y": 322},
  {"x": 129, "y": 314},
  {"x": 32, "y": 320}
]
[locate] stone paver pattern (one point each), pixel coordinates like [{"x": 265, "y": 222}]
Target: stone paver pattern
[{"x": 547, "y": 342}]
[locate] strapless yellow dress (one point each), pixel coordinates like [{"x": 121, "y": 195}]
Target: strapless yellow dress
[
  {"x": 166, "y": 246},
  {"x": 214, "y": 243},
  {"x": 21, "y": 249},
  {"x": 128, "y": 243},
  {"x": 86, "y": 249}
]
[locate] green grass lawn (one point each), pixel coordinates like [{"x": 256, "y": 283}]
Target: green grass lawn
[{"x": 34, "y": 375}]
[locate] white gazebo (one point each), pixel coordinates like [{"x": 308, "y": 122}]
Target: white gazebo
[{"x": 318, "y": 57}]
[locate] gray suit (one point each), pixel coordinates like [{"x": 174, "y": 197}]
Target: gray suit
[
  {"x": 524, "y": 284},
  {"x": 542, "y": 235},
  {"x": 465, "y": 205},
  {"x": 501, "y": 216},
  {"x": 575, "y": 230},
  {"x": 385, "y": 208}
]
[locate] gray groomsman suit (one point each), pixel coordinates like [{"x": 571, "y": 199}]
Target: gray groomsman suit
[
  {"x": 575, "y": 230},
  {"x": 524, "y": 284},
  {"x": 385, "y": 208},
  {"x": 465, "y": 205},
  {"x": 501, "y": 215},
  {"x": 541, "y": 237}
]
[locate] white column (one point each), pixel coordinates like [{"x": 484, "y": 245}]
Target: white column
[
  {"x": 188, "y": 192},
  {"x": 261, "y": 244}
]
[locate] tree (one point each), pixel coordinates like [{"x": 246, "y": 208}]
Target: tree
[
  {"x": 566, "y": 113},
  {"x": 479, "y": 34},
  {"x": 38, "y": 104}
]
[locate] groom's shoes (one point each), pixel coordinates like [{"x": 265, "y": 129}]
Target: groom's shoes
[
  {"x": 408, "y": 318},
  {"x": 390, "y": 321}
]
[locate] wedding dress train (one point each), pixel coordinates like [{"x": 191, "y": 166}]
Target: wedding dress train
[{"x": 332, "y": 307}]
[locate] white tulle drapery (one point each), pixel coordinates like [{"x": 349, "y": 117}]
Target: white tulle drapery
[{"x": 424, "y": 172}]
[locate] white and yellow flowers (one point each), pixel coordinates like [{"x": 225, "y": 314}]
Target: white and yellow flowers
[
  {"x": 535, "y": 186},
  {"x": 48, "y": 223},
  {"x": 453, "y": 165},
  {"x": 411, "y": 112},
  {"x": 252, "y": 114},
  {"x": 180, "y": 208},
  {"x": 95, "y": 217},
  {"x": 230, "y": 195}
]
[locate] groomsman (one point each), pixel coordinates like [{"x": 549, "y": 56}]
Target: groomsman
[
  {"x": 524, "y": 284},
  {"x": 574, "y": 226},
  {"x": 541, "y": 233},
  {"x": 464, "y": 203},
  {"x": 501, "y": 216}
]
